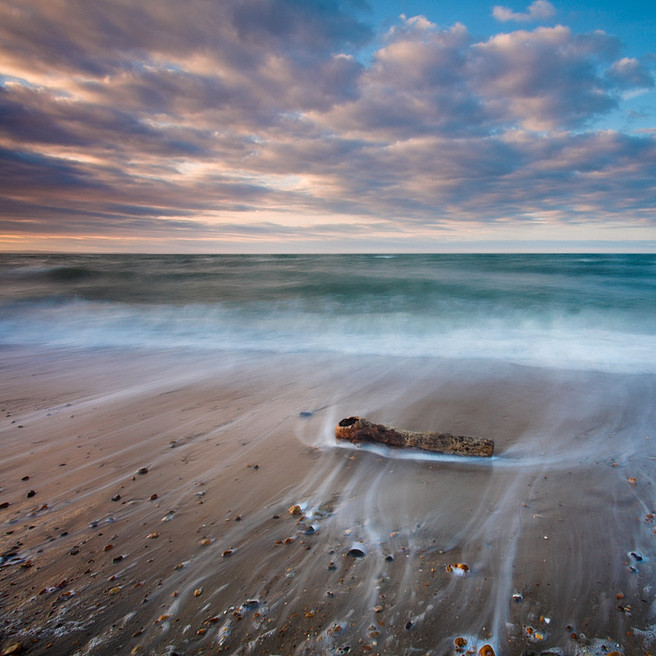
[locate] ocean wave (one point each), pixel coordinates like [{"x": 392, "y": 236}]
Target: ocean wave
[{"x": 587, "y": 340}]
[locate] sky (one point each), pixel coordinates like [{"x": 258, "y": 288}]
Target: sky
[{"x": 235, "y": 126}]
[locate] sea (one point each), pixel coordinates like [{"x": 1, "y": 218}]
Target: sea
[{"x": 589, "y": 312}]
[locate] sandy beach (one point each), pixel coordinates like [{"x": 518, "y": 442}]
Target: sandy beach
[{"x": 148, "y": 506}]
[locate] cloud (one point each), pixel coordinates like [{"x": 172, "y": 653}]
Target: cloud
[
  {"x": 260, "y": 117},
  {"x": 537, "y": 11}
]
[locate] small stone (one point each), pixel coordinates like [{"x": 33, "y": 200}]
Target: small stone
[
  {"x": 251, "y": 604},
  {"x": 114, "y": 591},
  {"x": 636, "y": 556},
  {"x": 355, "y": 553},
  {"x": 460, "y": 643},
  {"x": 486, "y": 650},
  {"x": 12, "y": 648},
  {"x": 389, "y": 558},
  {"x": 4, "y": 504},
  {"x": 198, "y": 592},
  {"x": 30, "y": 494},
  {"x": 305, "y": 413},
  {"x": 25, "y": 478},
  {"x": 142, "y": 470},
  {"x": 295, "y": 510},
  {"x": 153, "y": 497},
  {"x": 227, "y": 553},
  {"x": 116, "y": 498},
  {"x": 108, "y": 547},
  {"x": 152, "y": 536},
  {"x": 517, "y": 598},
  {"x": 632, "y": 480},
  {"x": 205, "y": 542},
  {"x": 458, "y": 568}
]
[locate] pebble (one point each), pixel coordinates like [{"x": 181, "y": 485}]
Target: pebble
[
  {"x": 114, "y": 591},
  {"x": 142, "y": 470},
  {"x": 12, "y": 648},
  {"x": 116, "y": 498},
  {"x": 486, "y": 650},
  {"x": 295, "y": 510},
  {"x": 152, "y": 536},
  {"x": 30, "y": 494},
  {"x": 460, "y": 643},
  {"x": 198, "y": 592},
  {"x": 251, "y": 604},
  {"x": 205, "y": 542},
  {"x": 153, "y": 497},
  {"x": 227, "y": 553},
  {"x": 355, "y": 553},
  {"x": 458, "y": 568}
]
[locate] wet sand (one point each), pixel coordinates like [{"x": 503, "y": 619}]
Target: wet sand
[{"x": 146, "y": 507}]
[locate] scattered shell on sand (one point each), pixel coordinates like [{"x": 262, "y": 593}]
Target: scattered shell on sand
[
  {"x": 152, "y": 536},
  {"x": 12, "y": 648},
  {"x": 295, "y": 510},
  {"x": 458, "y": 568},
  {"x": 486, "y": 650}
]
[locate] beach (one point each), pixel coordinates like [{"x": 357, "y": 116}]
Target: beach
[
  {"x": 172, "y": 501},
  {"x": 170, "y": 480}
]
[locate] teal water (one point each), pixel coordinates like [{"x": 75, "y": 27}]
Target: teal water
[{"x": 579, "y": 311}]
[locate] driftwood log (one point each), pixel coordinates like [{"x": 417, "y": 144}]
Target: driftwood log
[{"x": 358, "y": 429}]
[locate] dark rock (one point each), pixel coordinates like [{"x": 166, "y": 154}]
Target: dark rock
[
  {"x": 355, "y": 553},
  {"x": 142, "y": 470},
  {"x": 30, "y": 494}
]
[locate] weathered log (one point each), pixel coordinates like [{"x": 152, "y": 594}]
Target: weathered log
[{"x": 358, "y": 429}]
